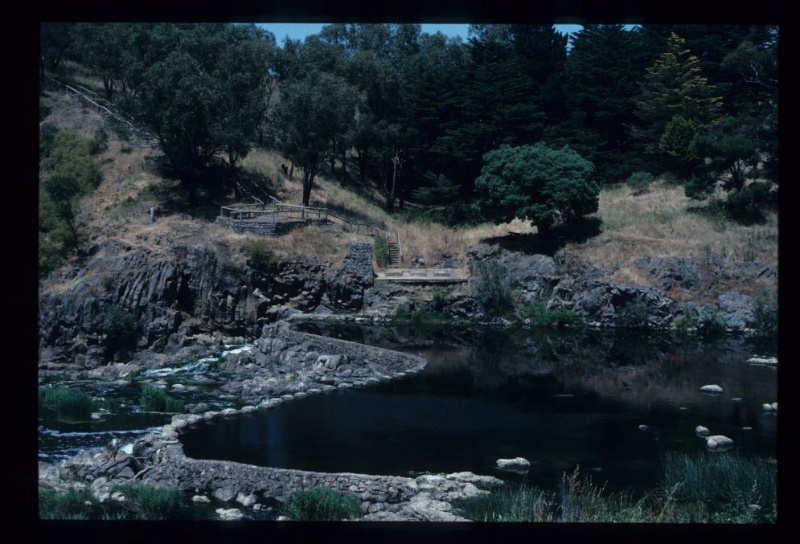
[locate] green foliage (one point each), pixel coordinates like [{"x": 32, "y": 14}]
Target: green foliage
[
  {"x": 45, "y": 107},
  {"x": 119, "y": 324},
  {"x": 491, "y": 286},
  {"x": 142, "y": 502},
  {"x": 147, "y": 502},
  {"x": 69, "y": 505},
  {"x": 154, "y": 399},
  {"x": 69, "y": 405},
  {"x": 676, "y": 141},
  {"x": 726, "y": 483},
  {"x": 749, "y": 204},
  {"x": 710, "y": 324},
  {"x": 765, "y": 319},
  {"x": 381, "y": 249},
  {"x": 507, "y": 504},
  {"x": 535, "y": 183},
  {"x": 540, "y": 316},
  {"x": 322, "y": 504},
  {"x": 674, "y": 86},
  {"x": 259, "y": 255},
  {"x": 639, "y": 180},
  {"x": 633, "y": 315}
]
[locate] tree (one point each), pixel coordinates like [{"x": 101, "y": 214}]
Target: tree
[
  {"x": 203, "y": 95},
  {"x": 603, "y": 71},
  {"x": 312, "y": 113},
  {"x": 548, "y": 187},
  {"x": 730, "y": 152},
  {"x": 674, "y": 86}
]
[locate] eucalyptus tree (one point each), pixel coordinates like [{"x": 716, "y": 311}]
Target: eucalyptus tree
[
  {"x": 55, "y": 44},
  {"x": 204, "y": 96},
  {"x": 312, "y": 112}
]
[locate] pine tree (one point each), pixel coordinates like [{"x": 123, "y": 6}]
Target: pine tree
[{"x": 674, "y": 86}]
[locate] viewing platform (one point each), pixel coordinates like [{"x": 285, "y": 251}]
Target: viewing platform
[{"x": 421, "y": 275}]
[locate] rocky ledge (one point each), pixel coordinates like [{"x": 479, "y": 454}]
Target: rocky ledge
[{"x": 242, "y": 491}]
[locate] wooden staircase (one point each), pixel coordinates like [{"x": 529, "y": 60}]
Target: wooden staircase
[{"x": 395, "y": 253}]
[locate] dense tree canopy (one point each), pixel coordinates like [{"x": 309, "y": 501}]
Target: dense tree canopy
[
  {"x": 535, "y": 183},
  {"x": 414, "y": 114}
]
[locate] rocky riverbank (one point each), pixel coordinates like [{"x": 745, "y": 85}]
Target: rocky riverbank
[
  {"x": 261, "y": 379},
  {"x": 128, "y": 309}
]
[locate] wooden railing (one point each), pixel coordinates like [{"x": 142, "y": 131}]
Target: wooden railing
[{"x": 276, "y": 211}]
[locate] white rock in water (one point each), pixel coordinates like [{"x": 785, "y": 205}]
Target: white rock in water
[
  {"x": 517, "y": 462},
  {"x": 701, "y": 430},
  {"x": 767, "y": 407},
  {"x": 644, "y": 428},
  {"x": 771, "y": 361},
  {"x": 775, "y": 406},
  {"x": 230, "y": 514},
  {"x": 718, "y": 441},
  {"x": 711, "y": 389}
]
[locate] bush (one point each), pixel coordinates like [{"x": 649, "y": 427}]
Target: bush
[
  {"x": 540, "y": 316},
  {"x": 747, "y": 205},
  {"x": 322, "y": 504},
  {"x": 492, "y": 287},
  {"x": 259, "y": 256},
  {"x": 633, "y": 315},
  {"x": 154, "y": 399},
  {"x": 640, "y": 180},
  {"x": 68, "y": 405},
  {"x": 381, "y": 249},
  {"x": 765, "y": 320}
]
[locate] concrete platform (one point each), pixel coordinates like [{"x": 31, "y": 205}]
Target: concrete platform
[{"x": 421, "y": 275}]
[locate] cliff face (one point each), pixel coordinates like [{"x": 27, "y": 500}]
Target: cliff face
[{"x": 122, "y": 300}]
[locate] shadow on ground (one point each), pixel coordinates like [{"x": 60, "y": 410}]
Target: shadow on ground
[{"x": 574, "y": 233}]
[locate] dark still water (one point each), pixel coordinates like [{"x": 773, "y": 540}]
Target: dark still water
[{"x": 561, "y": 402}]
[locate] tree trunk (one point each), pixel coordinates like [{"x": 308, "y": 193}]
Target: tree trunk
[{"x": 308, "y": 183}]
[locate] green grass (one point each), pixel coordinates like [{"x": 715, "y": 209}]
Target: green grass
[
  {"x": 153, "y": 503},
  {"x": 706, "y": 488},
  {"x": 72, "y": 504},
  {"x": 321, "y": 504},
  {"x": 540, "y": 316},
  {"x": 68, "y": 405},
  {"x": 142, "y": 502},
  {"x": 725, "y": 483},
  {"x": 154, "y": 399}
]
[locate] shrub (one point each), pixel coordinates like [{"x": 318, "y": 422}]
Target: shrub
[
  {"x": 492, "y": 287},
  {"x": 747, "y": 205},
  {"x": 322, "y": 504},
  {"x": 710, "y": 324},
  {"x": 540, "y": 316},
  {"x": 259, "y": 256},
  {"x": 633, "y": 315},
  {"x": 381, "y": 249},
  {"x": 154, "y": 399},
  {"x": 640, "y": 180},
  {"x": 69, "y": 405},
  {"x": 765, "y": 320}
]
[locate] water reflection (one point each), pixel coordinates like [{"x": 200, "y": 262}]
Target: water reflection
[{"x": 611, "y": 403}]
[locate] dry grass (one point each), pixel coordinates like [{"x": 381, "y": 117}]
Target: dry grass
[
  {"x": 656, "y": 223},
  {"x": 659, "y": 224}
]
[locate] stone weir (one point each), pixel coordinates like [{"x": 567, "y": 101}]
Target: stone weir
[{"x": 240, "y": 491}]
